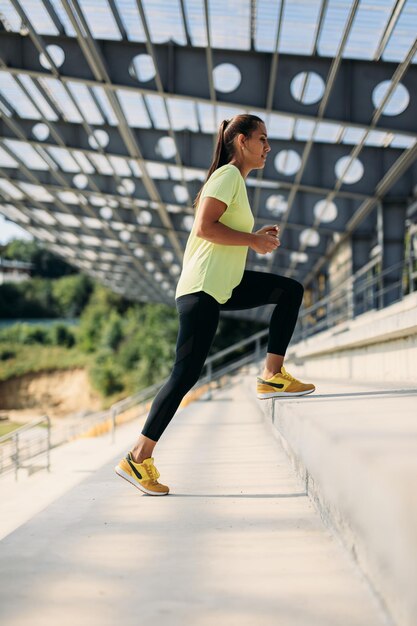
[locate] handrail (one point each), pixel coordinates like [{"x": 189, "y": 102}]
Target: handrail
[{"x": 24, "y": 449}]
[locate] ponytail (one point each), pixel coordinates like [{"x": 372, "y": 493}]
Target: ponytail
[{"x": 224, "y": 149}]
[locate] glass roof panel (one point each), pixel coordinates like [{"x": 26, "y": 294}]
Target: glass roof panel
[
  {"x": 368, "y": 27},
  {"x": 36, "y": 192},
  {"x": 157, "y": 170},
  {"x": 299, "y": 26},
  {"x": 402, "y": 141},
  {"x": 135, "y": 168},
  {"x": 403, "y": 35},
  {"x": 43, "y": 216},
  {"x": 58, "y": 94},
  {"x": 100, "y": 19},
  {"x": 194, "y": 10},
  {"x": 134, "y": 109},
  {"x": 68, "y": 197},
  {"x": 13, "y": 213},
  {"x": 16, "y": 98},
  {"x": 101, "y": 163},
  {"x": 6, "y": 160},
  {"x": 64, "y": 159},
  {"x": 67, "y": 219},
  {"x": 9, "y": 16},
  {"x": 157, "y": 111},
  {"x": 63, "y": 17},
  {"x": 27, "y": 154},
  {"x": 377, "y": 138},
  {"x": 206, "y": 117},
  {"x": 327, "y": 132},
  {"x": 40, "y": 101},
  {"x": 353, "y": 135},
  {"x": 182, "y": 113},
  {"x": 130, "y": 17},
  {"x": 266, "y": 26},
  {"x": 334, "y": 24},
  {"x": 39, "y": 17},
  {"x": 121, "y": 166},
  {"x": 165, "y": 21},
  {"x": 279, "y": 126},
  {"x": 83, "y": 162},
  {"x": 304, "y": 129},
  {"x": 221, "y": 15},
  {"x": 10, "y": 189},
  {"x": 86, "y": 103},
  {"x": 104, "y": 103}
]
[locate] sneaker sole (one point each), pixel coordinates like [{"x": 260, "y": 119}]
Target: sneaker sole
[
  {"x": 281, "y": 394},
  {"x": 134, "y": 482}
]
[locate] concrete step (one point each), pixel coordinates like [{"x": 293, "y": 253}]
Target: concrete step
[
  {"x": 355, "y": 451},
  {"x": 237, "y": 542}
]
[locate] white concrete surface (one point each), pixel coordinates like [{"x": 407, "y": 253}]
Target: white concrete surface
[
  {"x": 356, "y": 452},
  {"x": 378, "y": 345},
  {"x": 237, "y": 542}
]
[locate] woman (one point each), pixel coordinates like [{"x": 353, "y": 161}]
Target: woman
[{"x": 213, "y": 278}]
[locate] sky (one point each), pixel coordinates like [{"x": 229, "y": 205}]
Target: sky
[{"x": 9, "y": 231}]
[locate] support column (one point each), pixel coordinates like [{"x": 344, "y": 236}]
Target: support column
[{"x": 393, "y": 242}]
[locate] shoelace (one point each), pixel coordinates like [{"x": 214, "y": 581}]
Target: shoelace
[
  {"x": 287, "y": 375},
  {"x": 152, "y": 472}
]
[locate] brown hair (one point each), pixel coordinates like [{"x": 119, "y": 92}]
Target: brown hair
[{"x": 224, "y": 150}]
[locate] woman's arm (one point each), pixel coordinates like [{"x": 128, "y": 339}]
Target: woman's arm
[{"x": 208, "y": 227}]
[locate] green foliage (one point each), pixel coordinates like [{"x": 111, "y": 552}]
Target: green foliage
[
  {"x": 112, "y": 331},
  {"x": 71, "y": 294},
  {"x": 6, "y": 354},
  {"x": 61, "y": 335},
  {"x": 106, "y": 375},
  {"x": 45, "y": 264}
]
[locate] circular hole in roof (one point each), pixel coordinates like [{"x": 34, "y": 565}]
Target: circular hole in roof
[
  {"x": 180, "y": 193},
  {"x": 150, "y": 266},
  {"x": 325, "y": 211},
  {"x": 113, "y": 204},
  {"x": 175, "y": 269},
  {"x": 166, "y": 147},
  {"x": 307, "y": 87},
  {"x": 142, "y": 68},
  {"x": 125, "y": 235},
  {"x": 57, "y": 55},
  {"x": 188, "y": 222},
  {"x": 139, "y": 252},
  {"x": 352, "y": 174},
  {"x": 299, "y": 257},
  {"x": 309, "y": 237},
  {"x": 41, "y": 131},
  {"x": 106, "y": 212},
  {"x": 165, "y": 284},
  {"x": 167, "y": 256},
  {"x": 276, "y": 204},
  {"x": 144, "y": 217},
  {"x": 158, "y": 276},
  {"x": 80, "y": 181},
  {"x": 397, "y": 102},
  {"x": 99, "y": 138},
  {"x": 226, "y": 77},
  {"x": 159, "y": 239},
  {"x": 129, "y": 185},
  {"x": 287, "y": 162}
]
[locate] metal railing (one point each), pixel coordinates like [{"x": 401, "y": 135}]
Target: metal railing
[{"x": 19, "y": 448}]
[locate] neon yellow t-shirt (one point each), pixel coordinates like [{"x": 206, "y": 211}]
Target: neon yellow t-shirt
[{"x": 211, "y": 267}]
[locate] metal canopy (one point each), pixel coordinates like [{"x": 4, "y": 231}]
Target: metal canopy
[{"x": 109, "y": 111}]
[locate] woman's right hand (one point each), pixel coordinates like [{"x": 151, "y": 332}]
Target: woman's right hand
[{"x": 262, "y": 243}]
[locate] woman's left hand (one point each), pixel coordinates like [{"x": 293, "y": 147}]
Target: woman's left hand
[{"x": 272, "y": 229}]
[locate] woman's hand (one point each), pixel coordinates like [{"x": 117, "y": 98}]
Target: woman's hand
[{"x": 266, "y": 239}]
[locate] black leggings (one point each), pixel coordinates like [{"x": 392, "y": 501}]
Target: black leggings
[{"x": 198, "y": 319}]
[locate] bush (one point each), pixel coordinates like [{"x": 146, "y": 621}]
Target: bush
[
  {"x": 5, "y": 354},
  {"x": 105, "y": 375},
  {"x": 71, "y": 294},
  {"x": 34, "y": 334},
  {"x": 61, "y": 335},
  {"x": 112, "y": 332}
]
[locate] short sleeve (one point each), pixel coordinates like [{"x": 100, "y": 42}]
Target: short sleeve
[{"x": 222, "y": 185}]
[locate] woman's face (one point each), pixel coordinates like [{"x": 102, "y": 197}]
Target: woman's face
[{"x": 256, "y": 147}]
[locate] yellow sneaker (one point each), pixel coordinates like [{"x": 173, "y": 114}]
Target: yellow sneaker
[
  {"x": 142, "y": 475},
  {"x": 282, "y": 384}
]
